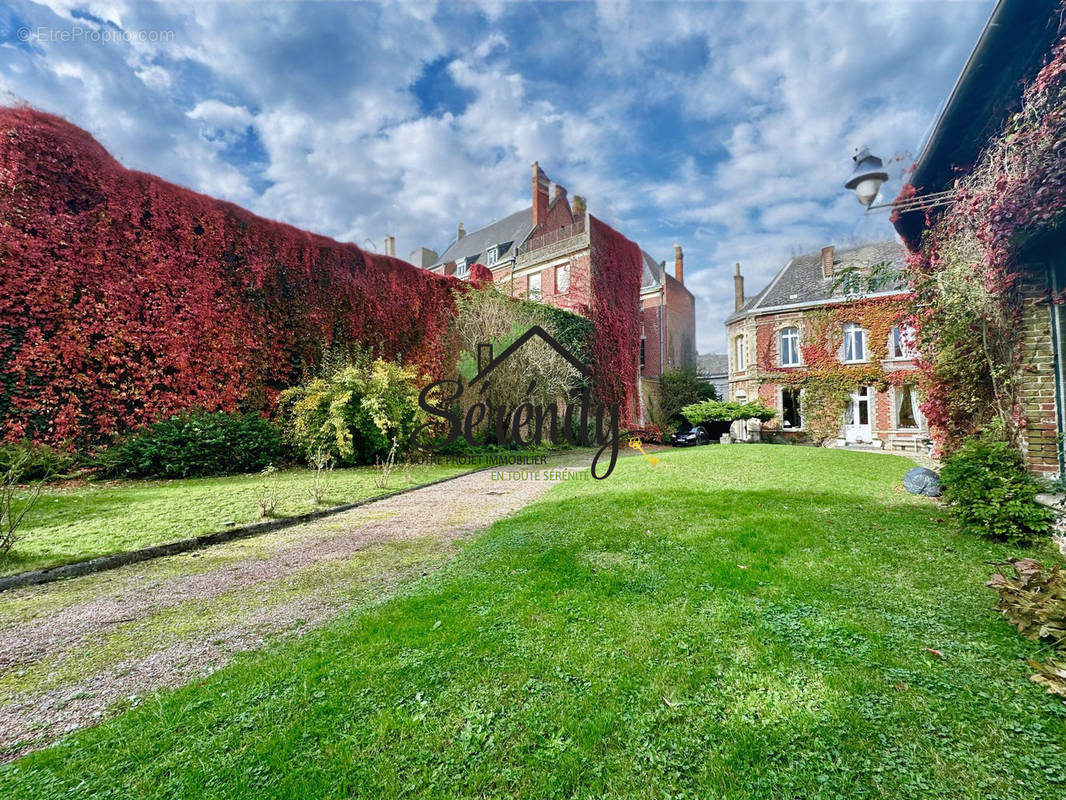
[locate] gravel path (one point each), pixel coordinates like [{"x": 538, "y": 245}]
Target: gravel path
[{"x": 76, "y": 651}]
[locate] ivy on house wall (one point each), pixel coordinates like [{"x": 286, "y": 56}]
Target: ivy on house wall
[
  {"x": 965, "y": 275},
  {"x": 617, "y": 265},
  {"x": 827, "y": 383}
]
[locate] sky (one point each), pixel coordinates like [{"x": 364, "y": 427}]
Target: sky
[{"x": 726, "y": 127}]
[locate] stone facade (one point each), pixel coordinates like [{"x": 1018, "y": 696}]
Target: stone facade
[
  {"x": 1040, "y": 441},
  {"x": 756, "y": 347}
]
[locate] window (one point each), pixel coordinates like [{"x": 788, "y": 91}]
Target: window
[
  {"x": 790, "y": 409},
  {"x": 906, "y": 406},
  {"x": 789, "y": 338},
  {"x": 462, "y": 269},
  {"x": 562, "y": 278},
  {"x": 854, "y": 343},
  {"x": 492, "y": 255},
  {"x": 902, "y": 342},
  {"x": 534, "y": 286},
  {"x": 738, "y": 354},
  {"x": 642, "y": 342}
]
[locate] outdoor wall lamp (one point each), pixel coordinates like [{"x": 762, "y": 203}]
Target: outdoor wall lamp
[{"x": 868, "y": 175}]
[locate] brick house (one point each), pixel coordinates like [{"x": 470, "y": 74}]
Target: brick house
[
  {"x": 545, "y": 253},
  {"x": 1014, "y": 46},
  {"x": 769, "y": 337}
]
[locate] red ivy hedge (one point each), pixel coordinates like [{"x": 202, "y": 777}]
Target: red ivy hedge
[
  {"x": 124, "y": 298},
  {"x": 617, "y": 266}
]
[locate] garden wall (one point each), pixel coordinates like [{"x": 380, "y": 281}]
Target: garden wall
[{"x": 124, "y": 298}]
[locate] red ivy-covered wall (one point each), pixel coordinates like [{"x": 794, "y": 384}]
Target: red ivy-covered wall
[
  {"x": 124, "y": 298},
  {"x": 616, "y": 267}
]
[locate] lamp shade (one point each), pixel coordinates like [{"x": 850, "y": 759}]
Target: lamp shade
[{"x": 867, "y": 177}]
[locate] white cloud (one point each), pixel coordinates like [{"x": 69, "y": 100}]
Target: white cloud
[{"x": 724, "y": 126}]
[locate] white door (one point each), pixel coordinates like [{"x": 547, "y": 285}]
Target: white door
[{"x": 857, "y": 426}]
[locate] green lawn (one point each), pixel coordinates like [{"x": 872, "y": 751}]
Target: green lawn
[
  {"x": 734, "y": 622},
  {"x": 95, "y": 519}
]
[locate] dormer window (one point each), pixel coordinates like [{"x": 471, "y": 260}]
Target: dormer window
[
  {"x": 492, "y": 255},
  {"x": 462, "y": 269}
]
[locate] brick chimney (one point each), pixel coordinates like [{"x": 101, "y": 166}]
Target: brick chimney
[
  {"x": 738, "y": 289},
  {"x": 540, "y": 195},
  {"x": 560, "y": 192},
  {"x": 579, "y": 206},
  {"x": 827, "y": 261},
  {"x": 679, "y": 264},
  {"x": 390, "y": 245},
  {"x": 461, "y": 233}
]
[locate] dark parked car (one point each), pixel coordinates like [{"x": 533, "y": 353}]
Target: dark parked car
[{"x": 690, "y": 438}]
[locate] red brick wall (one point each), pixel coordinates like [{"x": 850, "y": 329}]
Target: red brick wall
[
  {"x": 680, "y": 324},
  {"x": 559, "y": 215},
  {"x": 762, "y": 345}
]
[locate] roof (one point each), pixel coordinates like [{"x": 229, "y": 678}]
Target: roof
[
  {"x": 1012, "y": 48},
  {"x": 800, "y": 281},
  {"x": 712, "y": 364},
  {"x": 509, "y": 232},
  {"x": 651, "y": 275}
]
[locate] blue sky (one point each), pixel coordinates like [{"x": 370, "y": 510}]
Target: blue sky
[{"x": 724, "y": 126}]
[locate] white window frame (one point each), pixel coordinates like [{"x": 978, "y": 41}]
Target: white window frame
[
  {"x": 790, "y": 333},
  {"x": 738, "y": 354},
  {"x": 492, "y": 255},
  {"x": 535, "y": 293},
  {"x": 562, "y": 287},
  {"x": 901, "y": 338},
  {"x": 781, "y": 403},
  {"x": 854, "y": 331},
  {"x": 462, "y": 269}
]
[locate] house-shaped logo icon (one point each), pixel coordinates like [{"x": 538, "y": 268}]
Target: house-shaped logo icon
[{"x": 486, "y": 363}]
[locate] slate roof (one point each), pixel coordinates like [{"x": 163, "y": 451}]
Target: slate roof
[
  {"x": 712, "y": 364},
  {"x": 508, "y": 232},
  {"x": 800, "y": 281},
  {"x": 650, "y": 274}
]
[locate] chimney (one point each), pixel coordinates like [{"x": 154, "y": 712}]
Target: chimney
[
  {"x": 423, "y": 257},
  {"x": 579, "y": 206},
  {"x": 390, "y": 245},
  {"x": 461, "y": 233},
  {"x": 738, "y": 289},
  {"x": 560, "y": 192},
  {"x": 540, "y": 195},
  {"x": 827, "y": 261},
  {"x": 679, "y": 264}
]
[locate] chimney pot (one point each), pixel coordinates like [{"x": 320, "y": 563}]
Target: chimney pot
[
  {"x": 738, "y": 289},
  {"x": 462, "y": 232},
  {"x": 390, "y": 245},
  {"x": 827, "y": 261},
  {"x": 679, "y": 264}
]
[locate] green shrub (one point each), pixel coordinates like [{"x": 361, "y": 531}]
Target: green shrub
[
  {"x": 193, "y": 444},
  {"x": 676, "y": 389},
  {"x": 991, "y": 493},
  {"x": 352, "y": 414},
  {"x": 726, "y": 411},
  {"x": 36, "y": 461}
]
